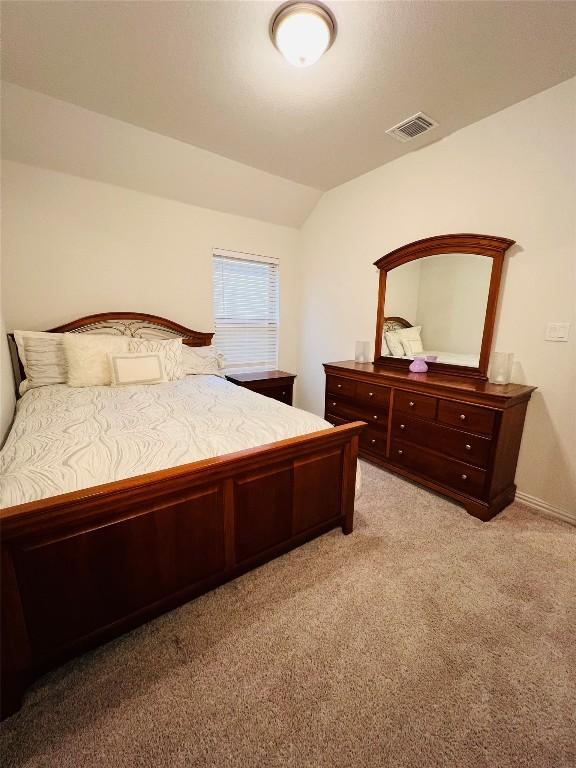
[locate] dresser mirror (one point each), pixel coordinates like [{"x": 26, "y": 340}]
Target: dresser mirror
[{"x": 438, "y": 300}]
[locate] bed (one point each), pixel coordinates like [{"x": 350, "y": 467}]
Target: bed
[{"x": 189, "y": 485}]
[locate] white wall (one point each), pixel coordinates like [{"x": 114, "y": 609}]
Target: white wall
[
  {"x": 512, "y": 174},
  {"x": 73, "y": 246}
]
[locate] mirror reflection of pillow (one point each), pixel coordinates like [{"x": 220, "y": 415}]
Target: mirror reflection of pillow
[
  {"x": 410, "y": 340},
  {"x": 394, "y": 344}
]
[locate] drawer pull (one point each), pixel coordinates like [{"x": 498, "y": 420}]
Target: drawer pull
[
  {"x": 283, "y": 393},
  {"x": 464, "y": 477},
  {"x": 402, "y": 426},
  {"x": 468, "y": 447},
  {"x": 411, "y": 404},
  {"x": 333, "y": 404},
  {"x": 370, "y": 394},
  {"x": 373, "y": 442},
  {"x": 339, "y": 386},
  {"x": 462, "y": 417},
  {"x": 375, "y": 418},
  {"x": 400, "y": 452}
]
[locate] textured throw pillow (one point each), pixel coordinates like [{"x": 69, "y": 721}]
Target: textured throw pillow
[
  {"x": 87, "y": 357},
  {"x": 136, "y": 368},
  {"x": 169, "y": 350},
  {"x": 42, "y": 355},
  {"x": 394, "y": 344},
  {"x": 410, "y": 340},
  {"x": 202, "y": 360}
]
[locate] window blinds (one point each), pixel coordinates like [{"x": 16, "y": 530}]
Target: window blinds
[{"x": 246, "y": 290}]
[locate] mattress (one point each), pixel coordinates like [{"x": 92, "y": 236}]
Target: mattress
[{"x": 66, "y": 439}]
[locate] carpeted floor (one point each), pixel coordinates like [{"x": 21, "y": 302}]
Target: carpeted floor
[{"x": 424, "y": 639}]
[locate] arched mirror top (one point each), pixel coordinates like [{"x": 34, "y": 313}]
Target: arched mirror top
[{"x": 445, "y": 293}]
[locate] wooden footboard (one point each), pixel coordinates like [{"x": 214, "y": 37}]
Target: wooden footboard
[{"x": 81, "y": 568}]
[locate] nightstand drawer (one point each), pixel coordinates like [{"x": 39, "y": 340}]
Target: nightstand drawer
[
  {"x": 275, "y": 384},
  {"x": 282, "y": 393},
  {"x": 417, "y": 405},
  {"x": 472, "y": 418}
]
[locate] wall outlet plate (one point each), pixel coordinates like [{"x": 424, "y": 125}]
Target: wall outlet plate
[{"x": 557, "y": 332}]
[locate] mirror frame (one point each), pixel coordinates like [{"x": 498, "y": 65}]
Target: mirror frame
[{"x": 483, "y": 245}]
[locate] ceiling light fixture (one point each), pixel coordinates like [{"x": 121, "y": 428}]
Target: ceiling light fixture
[{"x": 302, "y": 32}]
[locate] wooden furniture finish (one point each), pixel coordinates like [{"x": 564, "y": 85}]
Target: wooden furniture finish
[
  {"x": 484, "y": 245},
  {"x": 459, "y": 436},
  {"x": 275, "y": 384},
  {"x": 83, "y": 567}
]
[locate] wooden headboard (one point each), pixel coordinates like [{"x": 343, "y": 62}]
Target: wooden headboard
[
  {"x": 393, "y": 323},
  {"x": 135, "y": 324}
]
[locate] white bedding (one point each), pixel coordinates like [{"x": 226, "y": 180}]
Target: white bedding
[
  {"x": 65, "y": 439},
  {"x": 454, "y": 358}
]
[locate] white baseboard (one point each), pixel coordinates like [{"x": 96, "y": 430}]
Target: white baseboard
[{"x": 545, "y": 508}]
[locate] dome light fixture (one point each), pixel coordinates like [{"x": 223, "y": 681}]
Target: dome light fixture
[{"x": 302, "y": 32}]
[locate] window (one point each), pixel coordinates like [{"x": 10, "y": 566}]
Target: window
[{"x": 246, "y": 309}]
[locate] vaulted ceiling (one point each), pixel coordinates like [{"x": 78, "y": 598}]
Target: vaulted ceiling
[{"x": 206, "y": 73}]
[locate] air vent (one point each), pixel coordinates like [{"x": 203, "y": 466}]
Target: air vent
[{"x": 414, "y": 126}]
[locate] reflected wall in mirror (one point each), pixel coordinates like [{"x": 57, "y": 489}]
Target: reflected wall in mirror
[
  {"x": 444, "y": 298},
  {"x": 438, "y": 299}
]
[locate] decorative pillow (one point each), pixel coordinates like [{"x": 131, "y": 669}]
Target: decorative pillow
[
  {"x": 87, "y": 357},
  {"x": 394, "y": 344},
  {"x": 136, "y": 368},
  {"x": 410, "y": 339},
  {"x": 42, "y": 355},
  {"x": 202, "y": 360},
  {"x": 169, "y": 350}
]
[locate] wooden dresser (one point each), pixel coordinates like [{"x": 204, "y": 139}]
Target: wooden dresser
[{"x": 460, "y": 437}]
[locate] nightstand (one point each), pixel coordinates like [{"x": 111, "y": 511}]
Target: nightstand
[{"x": 275, "y": 384}]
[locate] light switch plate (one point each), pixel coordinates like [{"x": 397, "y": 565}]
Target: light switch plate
[{"x": 557, "y": 331}]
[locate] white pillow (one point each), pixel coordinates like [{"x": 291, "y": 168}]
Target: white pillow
[
  {"x": 394, "y": 344},
  {"x": 202, "y": 360},
  {"x": 43, "y": 357},
  {"x": 169, "y": 350},
  {"x": 404, "y": 341},
  {"x": 136, "y": 368},
  {"x": 87, "y": 357},
  {"x": 410, "y": 339}
]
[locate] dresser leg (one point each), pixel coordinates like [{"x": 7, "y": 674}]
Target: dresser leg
[{"x": 481, "y": 511}]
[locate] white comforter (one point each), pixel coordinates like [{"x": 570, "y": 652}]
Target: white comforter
[{"x": 65, "y": 439}]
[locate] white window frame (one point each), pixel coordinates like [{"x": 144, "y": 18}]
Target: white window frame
[{"x": 240, "y": 366}]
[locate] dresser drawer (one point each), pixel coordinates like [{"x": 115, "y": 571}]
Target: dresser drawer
[
  {"x": 337, "y": 386},
  {"x": 452, "y": 442},
  {"x": 373, "y": 394},
  {"x": 448, "y": 472},
  {"x": 417, "y": 405},
  {"x": 373, "y": 440},
  {"x": 472, "y": 418},
  {"x": 351, "y": 411}
]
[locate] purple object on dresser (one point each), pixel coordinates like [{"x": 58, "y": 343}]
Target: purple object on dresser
[{"x": 418, "y": 365}]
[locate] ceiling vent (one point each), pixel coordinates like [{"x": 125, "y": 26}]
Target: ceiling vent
[{"x": 414, "y": 126}]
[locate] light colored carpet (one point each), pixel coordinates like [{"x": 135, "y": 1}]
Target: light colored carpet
[{"x": 424, "y": 639}]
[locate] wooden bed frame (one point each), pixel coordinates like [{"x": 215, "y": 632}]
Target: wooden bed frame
[{"x": 81, "y": 568}]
